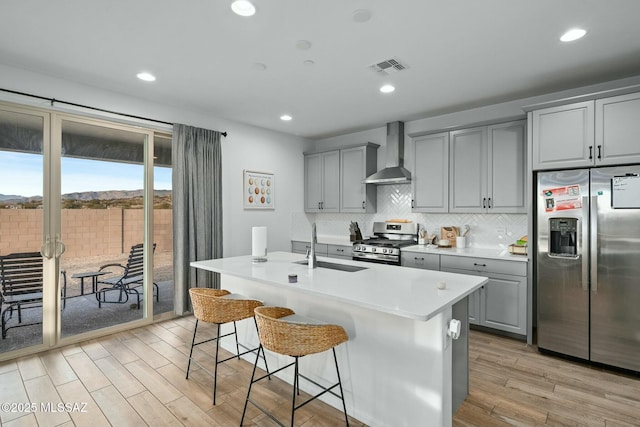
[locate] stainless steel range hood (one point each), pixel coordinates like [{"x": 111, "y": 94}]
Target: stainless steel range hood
[{"x": 394, "y": 173}]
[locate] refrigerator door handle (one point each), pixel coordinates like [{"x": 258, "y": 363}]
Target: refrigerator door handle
[
  {"x": 594, "y": 244},
  {"x": 583, "y": 238}
]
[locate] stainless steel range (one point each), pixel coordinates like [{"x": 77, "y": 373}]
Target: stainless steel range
[{"x": 385, "y": 246}]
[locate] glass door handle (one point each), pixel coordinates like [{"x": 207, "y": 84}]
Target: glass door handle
[
  {"x": 60, "y": 247},
  {"x": 45, "y": 249}
]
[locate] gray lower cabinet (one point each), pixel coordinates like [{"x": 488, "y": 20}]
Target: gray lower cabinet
[
  {"x": 420, "y": 260},
  {"x": 322, "y": 249},
  {"x": 299, "y": 247},
  {"x": 339, "y": 251},
  {"x": 502, "y": 302}
]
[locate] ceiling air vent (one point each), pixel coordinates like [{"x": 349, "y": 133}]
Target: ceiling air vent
[{"x": 389, "y": 66}]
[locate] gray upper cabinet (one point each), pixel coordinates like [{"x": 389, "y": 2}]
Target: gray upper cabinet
[
  {"x": 322, "y": 182},
  {"x": 617, "y": 136},
  {"x": 356, "y": 164},
  {"x": 506, "y": 167},
  {"x": 468, "y": 170},
  {"x": 563, "y": 136},
  {"x": 589, "y": 133},
  {"x": 430, "y": 180},
  {"x": 488, "y": 169}
]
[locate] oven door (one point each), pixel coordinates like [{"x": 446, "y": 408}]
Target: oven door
[{"x": 377, "y": 258}]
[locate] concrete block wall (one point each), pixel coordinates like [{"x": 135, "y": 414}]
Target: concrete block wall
[
  {"x": 20, "y": 230},
  {"x": 85, "y": 232}
]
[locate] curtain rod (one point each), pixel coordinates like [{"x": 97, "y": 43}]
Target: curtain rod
[{"x": 52, "y": 100}]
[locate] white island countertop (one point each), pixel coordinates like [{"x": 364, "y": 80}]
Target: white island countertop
[{"x": 405, "y": 292}]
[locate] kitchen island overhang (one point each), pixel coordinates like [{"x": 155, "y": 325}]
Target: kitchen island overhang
[{"x": 397, "y": 365}]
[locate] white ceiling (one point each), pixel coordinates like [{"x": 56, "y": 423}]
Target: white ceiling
[{"x": 461, "y": 54}]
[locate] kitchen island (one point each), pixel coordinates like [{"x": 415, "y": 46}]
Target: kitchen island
[{"x": 397, "y": 366}]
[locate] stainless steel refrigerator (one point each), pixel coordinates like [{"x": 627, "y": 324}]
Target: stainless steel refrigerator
[{"x": 588, "y": 264}]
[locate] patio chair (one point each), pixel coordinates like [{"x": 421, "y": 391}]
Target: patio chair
[
  {"x": 127, "y": 282},
  {"x": 21, "y": 279}
]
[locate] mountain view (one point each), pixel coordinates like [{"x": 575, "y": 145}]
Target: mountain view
[{"x": 131, "y": 199}]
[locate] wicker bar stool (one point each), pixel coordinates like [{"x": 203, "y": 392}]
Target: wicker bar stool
[
  {"x": 282, "y": 331},
  {"x": 220, "y": 306}
]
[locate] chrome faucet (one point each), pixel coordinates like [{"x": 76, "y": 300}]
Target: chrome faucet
[{"x": 311, "y": 255}]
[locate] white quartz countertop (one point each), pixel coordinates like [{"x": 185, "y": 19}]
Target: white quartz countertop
[
  {"x": 497, "y": 253},
  {"x": 400, "y": 291}
]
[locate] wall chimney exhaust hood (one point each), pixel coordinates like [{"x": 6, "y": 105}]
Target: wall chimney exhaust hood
[{"x": 394, "y": 173}]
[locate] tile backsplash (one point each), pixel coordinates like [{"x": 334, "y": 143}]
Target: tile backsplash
[{"x": 394, "y": 201}]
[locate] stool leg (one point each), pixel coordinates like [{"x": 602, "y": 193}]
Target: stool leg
[
  {"x": 191, "y": 352},
  {"x": 215, "y": 370},
  {"x": 253, "y": 374},
  {"x": 235, "y": 332},
  {"x": 296, "y": 389},
  {"x": 264, "y": 356},
  {"x": 344, "y": 406}
]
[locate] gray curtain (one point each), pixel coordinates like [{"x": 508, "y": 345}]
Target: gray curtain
[{"x": 197, "y": 208}]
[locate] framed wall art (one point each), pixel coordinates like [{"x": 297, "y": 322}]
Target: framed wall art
[{"x": 259, "y": 190}]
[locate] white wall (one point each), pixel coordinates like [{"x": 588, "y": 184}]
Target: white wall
[{"x": 245, "y": 147}]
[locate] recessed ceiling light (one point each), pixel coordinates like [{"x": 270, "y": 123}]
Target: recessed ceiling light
[
  {"x": 573, "y": 34},
  {"x": 243, "y": 8},
  {"x": 147, "y": 77},
  {"x": 285, "y": 117},
  {"x": 387, "y": 89},
  {"x": 361, "y": 15}
]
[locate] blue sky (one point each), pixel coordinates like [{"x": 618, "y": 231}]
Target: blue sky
[{"x": 21, "y": 174}]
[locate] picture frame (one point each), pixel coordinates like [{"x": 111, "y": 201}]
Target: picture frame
[{"x": 258, "y": 190}]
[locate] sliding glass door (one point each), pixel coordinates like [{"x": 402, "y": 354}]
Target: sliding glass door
[
  {"x": 23, "y": 138},
  {"x": 102, "y": 199},
  {"x": 78, "y": 193}
]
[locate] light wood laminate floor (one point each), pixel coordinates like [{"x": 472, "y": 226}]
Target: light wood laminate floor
[
  {"x": 136, "y": 378},
  {"x": 512, "y": 384}
]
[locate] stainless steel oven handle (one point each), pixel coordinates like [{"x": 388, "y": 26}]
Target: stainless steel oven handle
[{"x": 366, "y": 257}]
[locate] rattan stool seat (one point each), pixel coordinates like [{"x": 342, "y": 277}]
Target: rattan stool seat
[
  {"x": 219, "y": 306},
  {"x": 283, "y": 331}
]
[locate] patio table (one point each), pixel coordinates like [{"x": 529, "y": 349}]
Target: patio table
[{"x": 94, "y": 279}]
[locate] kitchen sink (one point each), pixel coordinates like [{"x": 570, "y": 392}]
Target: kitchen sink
[{"x": 334, "y": 266}]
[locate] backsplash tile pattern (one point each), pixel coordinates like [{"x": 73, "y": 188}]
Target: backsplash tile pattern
[{"x": 394, "y": 202}]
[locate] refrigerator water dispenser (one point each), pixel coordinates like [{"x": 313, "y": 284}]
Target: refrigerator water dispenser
[{"x": 563, "y": 237}]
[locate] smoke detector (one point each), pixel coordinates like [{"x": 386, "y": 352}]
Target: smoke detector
[{"x": 388, "y": 67}]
